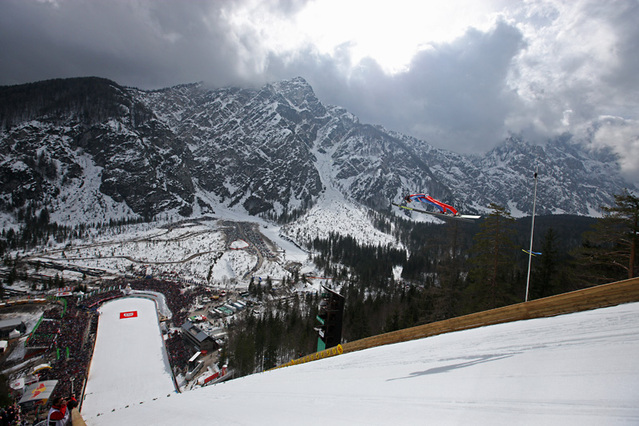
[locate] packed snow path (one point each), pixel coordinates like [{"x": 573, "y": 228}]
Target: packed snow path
[
  {"x": 577, "y": 369},
  {"x": 129, "y": 364}
]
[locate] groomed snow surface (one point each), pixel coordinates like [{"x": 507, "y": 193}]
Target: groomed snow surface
[
  {"x": 577, "y": 369},
  {"x": 129, "y": 363}
]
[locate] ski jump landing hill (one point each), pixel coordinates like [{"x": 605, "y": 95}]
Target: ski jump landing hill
[
  {"x": 129, "y": 360},
  {"x": 581, "y": 300},
  {"x": 600, "y": 296},
  {"x": 568, "y": 359}
]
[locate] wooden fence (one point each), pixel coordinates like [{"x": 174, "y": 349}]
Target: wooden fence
[{"x": 581, "y": 300}]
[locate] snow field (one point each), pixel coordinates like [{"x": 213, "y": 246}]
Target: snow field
[
  {"x": 577, "y": 369},
  {"x": 341, "y": 217},
  {"x": 190, "y": 252}
]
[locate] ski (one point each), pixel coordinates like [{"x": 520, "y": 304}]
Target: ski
[{"x": 460, "y": 217}]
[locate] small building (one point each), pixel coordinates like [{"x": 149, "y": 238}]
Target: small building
[
  {"x": 9, "y": 325},
  {"x": 238, "y": 305},
  {"x": 197, "y": 337},
  {"x": 214, "y": 313}
]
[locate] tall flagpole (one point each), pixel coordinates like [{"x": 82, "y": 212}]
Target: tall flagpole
[{"x": 532, "y": 232}]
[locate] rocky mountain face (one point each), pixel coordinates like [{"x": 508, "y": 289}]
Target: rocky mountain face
[
  {"x": 90, "y": 150},
  {"x": 90, "y": 142},
  {"x": 571, "y": 178}
]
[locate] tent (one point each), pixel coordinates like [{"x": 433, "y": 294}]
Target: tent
[
  {"x": 17, "y": 384},
  {"x": 40, "y": 367}
]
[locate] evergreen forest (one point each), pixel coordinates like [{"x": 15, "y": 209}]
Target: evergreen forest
[{"x": 443, "y": 271}]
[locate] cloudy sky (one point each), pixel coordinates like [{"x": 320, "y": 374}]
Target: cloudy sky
[{"x": 460, "y": 74}]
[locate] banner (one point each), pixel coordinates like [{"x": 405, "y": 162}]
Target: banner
[{"x": 38, "y": 391}]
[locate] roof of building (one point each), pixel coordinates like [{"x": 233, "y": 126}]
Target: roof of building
[
  {"x": 11, "y": 323},
  {"x": 195, "y": 331}
]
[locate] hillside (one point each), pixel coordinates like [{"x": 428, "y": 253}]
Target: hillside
[{"x": 572, "y": 369}]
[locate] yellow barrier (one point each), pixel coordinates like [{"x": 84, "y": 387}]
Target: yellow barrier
[
  {"x": 326, "y": 353},
  {"x": 76, "y": 418}
]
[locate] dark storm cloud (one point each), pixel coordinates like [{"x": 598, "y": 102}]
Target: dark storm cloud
[
  {"x": 451, "y": 92},
  {"x": 623, "y": 77},
  {"x": 462, "y": 88},
  {"x": 545, "y": 68},
  {"x": 144, "y": 44}
]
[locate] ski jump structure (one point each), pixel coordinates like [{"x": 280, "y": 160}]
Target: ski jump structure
[{"x": 600, "y": 296}]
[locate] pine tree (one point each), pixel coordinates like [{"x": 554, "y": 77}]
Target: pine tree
[
  {"x": 5, "y": 392},
  {"x": 609, "y": 252},
  {"x": 12, "y": 276},
  {"x": 251, "y": 287},
  {"x": 449, "y": 271},
  {"x": 258, "y": 291},
  {"x": 492, "y": 262},
  {"x": 544, "y": 275}
]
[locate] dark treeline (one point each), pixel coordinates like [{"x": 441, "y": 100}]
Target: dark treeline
[
  {"x": 284, "y": 331},
  {"x": 443, "y": 274},
  {"x": 447, "y": 271},
  {"x": 89, "y": 99},
  {"x": 37, "y": 229}
]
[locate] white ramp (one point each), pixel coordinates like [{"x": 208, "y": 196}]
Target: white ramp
[{"x": 129, "y": 364}]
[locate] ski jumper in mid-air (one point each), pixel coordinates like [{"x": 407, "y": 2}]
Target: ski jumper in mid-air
[
  {"x": 445, "y": 208},
  {"x": 445, "y": 211}
]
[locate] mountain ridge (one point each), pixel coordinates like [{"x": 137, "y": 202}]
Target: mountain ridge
[{"x": 273, "y": 151}]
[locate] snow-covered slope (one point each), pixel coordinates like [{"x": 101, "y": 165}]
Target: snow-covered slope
[
  {"x": 577, "y": 369},
  {"x": 227, "y": 248},
  {"x": 128, "y": 351},
  {"x": 339, "y": 217}
]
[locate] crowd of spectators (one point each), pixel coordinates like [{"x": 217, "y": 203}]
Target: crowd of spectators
[
  {"x": 73, "y": 351},
  {"x": 10, "y": 415},
  {"x": 178, "y": 351},
  {"x": 47, "y": 330},
  {"x": 96, "y": 300},
  {"x": 68, "y": 330},
  {"x": 177, "y": 298},
  {"x": 70, "y": 373},
  {"x": 45, "y": 335},
  {"x": 53, "y": 313}
]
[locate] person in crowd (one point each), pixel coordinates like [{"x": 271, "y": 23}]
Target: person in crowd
[{"x": 60, "y": 413}]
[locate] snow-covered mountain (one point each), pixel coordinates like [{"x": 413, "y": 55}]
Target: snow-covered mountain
[{"x": 90, "y": 150}]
